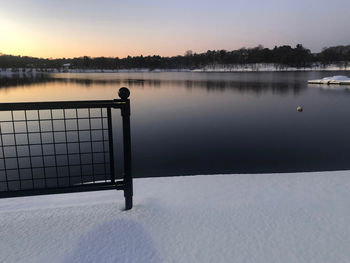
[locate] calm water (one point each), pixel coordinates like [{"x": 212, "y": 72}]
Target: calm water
[{"x": 204, "y": 123}]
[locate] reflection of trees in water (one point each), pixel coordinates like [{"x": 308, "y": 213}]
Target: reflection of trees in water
[
  {"x": 250, "y": 86},
  {"x": 242, "y": 86},
  {"x": 7, "y": 82}
]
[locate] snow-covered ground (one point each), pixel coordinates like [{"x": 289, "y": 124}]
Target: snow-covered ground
[
  {"x": 253, "y": 67},
  {"x": 270, "y": 67},
  {"x": 21, "y": 72},
  {"x": 220, "y": 218}
]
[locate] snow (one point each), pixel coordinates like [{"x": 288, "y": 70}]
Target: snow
[
  {"x": 301, "y": 217},
  {"x": 270, "y": 67},
  {"x": 19, "y": 72},
  {"x": 342, "y": 80},
  {"x": 251, "y": 67}
]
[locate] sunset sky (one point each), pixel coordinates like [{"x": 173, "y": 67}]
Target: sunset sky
[{"x": 70, "y": 28}]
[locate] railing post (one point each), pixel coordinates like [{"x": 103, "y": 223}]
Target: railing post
[
  {"x": 124, "y": 94},
  {"x": 110, "y": 143}
]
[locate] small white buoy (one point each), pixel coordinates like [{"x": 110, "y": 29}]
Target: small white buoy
[{"x": 299, "y": 108}]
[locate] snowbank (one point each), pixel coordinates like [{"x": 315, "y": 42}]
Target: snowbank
[{"x": 222, "y": 218}]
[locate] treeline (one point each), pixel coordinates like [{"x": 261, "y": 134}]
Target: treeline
[{"x": 284, "y": 55}]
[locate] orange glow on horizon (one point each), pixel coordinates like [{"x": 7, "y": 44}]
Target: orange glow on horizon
[
  {"x": 79, "y": 41},
  {"x": 57, "y": 29},
  {"x": 20, "y": 41}
]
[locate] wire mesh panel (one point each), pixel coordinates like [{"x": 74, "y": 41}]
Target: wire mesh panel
[
  {"x": 63, "y": 146},
  {"x": 55, "y": 148}
]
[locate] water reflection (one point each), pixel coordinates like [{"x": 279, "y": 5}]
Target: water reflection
[
  {"x": 201, "y": 123},
  {"x": 16, "y": 81},
  {"x": 242, "y": 86},
  {"x": 330, "y": 88}
]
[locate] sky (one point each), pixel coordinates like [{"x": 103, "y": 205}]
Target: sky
[{"x": 73, "y": 28}]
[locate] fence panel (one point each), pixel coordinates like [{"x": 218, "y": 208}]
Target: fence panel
[{"x": 52, "y": 147}]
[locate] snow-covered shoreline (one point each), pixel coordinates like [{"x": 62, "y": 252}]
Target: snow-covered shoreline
[
  {"x": 301, "y": 217},
  {"x": 25, "y": 72},
  {"x": 256, "y": 67}
]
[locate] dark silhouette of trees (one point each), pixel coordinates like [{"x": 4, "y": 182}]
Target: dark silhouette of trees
[
  {"x": 334, "y": 55},
  {"x": 297, "y": 56}
]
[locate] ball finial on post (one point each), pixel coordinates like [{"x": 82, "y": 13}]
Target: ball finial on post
[{"x": 124, "y": 93}]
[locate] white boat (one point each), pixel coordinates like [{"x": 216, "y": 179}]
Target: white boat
[{"x": 337, "y": 80}]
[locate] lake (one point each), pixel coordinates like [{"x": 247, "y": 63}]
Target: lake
[{"x": 213, "y": 123}]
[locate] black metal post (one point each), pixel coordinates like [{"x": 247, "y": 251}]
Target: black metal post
[
  {"x": 110, "y": 143},
  {"x": 124, "y": 93}
]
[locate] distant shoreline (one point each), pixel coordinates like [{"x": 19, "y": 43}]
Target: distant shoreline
[{"x": 23, "y": 72}]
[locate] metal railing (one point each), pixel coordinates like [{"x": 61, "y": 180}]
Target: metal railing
[{"x": 66, "y": 146}]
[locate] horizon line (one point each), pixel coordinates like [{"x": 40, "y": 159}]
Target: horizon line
[{"x": 149, "y": 55}]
